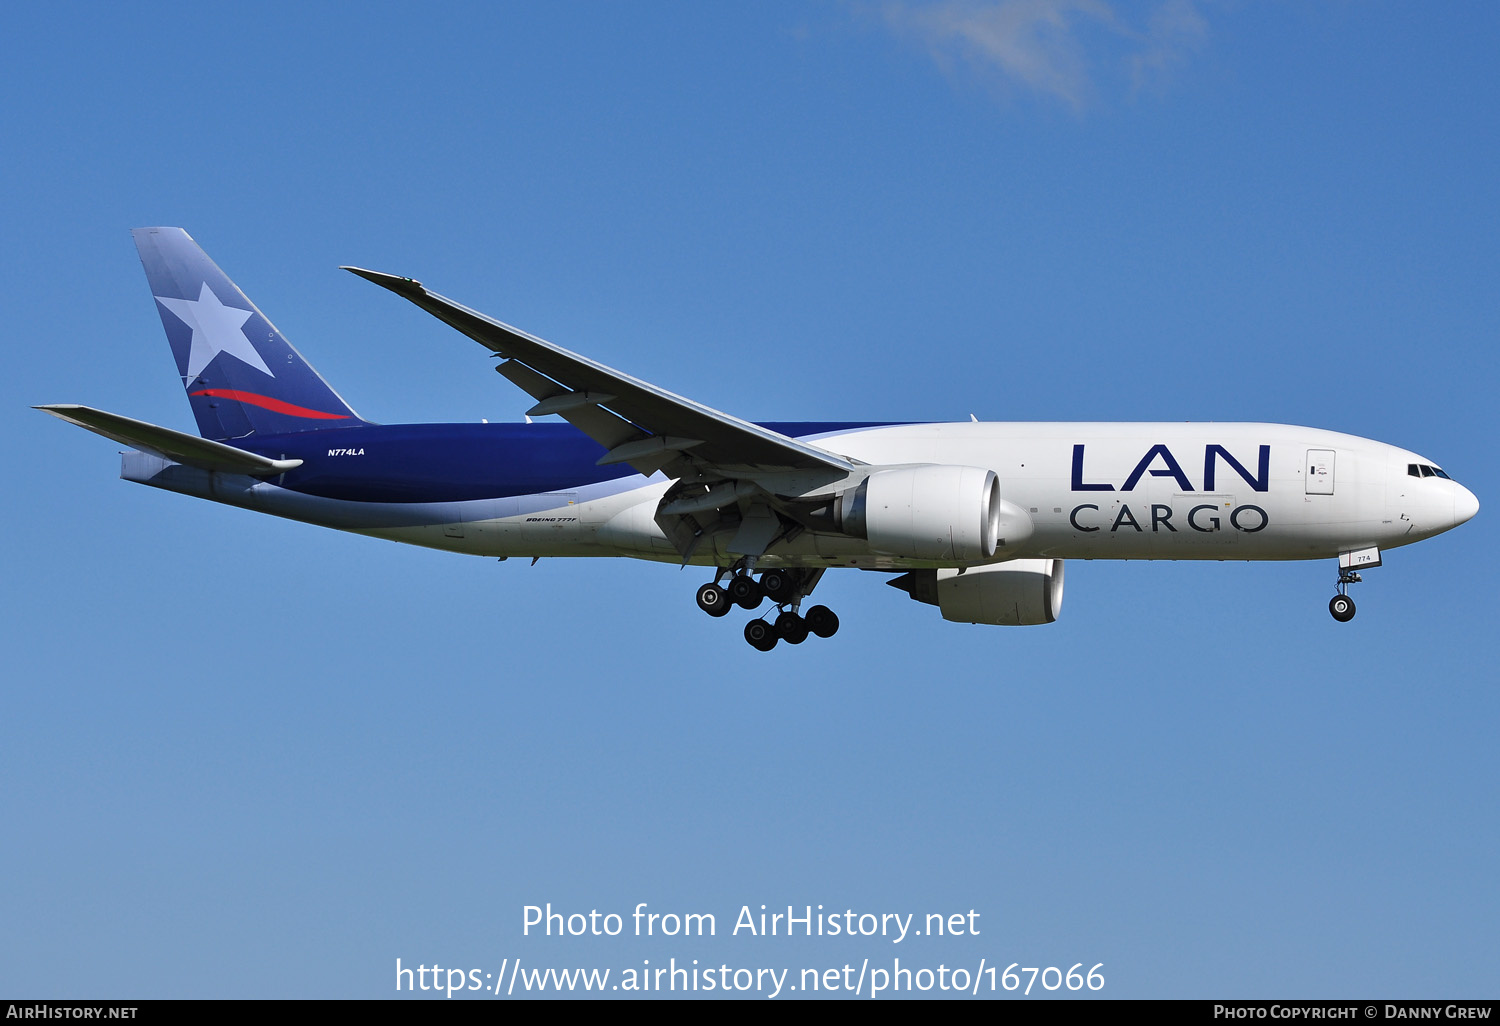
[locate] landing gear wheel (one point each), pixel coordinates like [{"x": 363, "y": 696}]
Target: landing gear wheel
[
  {"x": 713, "y": 600},
  {"x": 761, "y": 635},
  {"x": 792, "y": 628},
  {"x": 822, "y": 621},
  {"x": 746, "y": 591},
  {"x": 779, "y": 585},
  {"x": 1342, "y": 608}
]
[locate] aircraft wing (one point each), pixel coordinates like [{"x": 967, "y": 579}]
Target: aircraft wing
[
  {"x": 642, "y": 425},
  {"x": 176, "y": 446}
]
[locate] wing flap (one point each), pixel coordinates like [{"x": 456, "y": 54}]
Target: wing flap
[{"x": 176, "y": 446}]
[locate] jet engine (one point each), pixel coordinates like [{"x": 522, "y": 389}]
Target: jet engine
[
  {"x": 926, "y": 512},
  {"x": 1017, "y": 593}
]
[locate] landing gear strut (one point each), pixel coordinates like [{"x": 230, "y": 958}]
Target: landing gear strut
[{"x": 1341, "y": 605}]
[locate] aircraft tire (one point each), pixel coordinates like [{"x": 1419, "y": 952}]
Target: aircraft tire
[
  {"x": 746, "y": 591},
  {"x": 761, "y": 635},
  {"x": 1342, "y": 608},
  {"x": 778, "y": 585},
  {"x": 792, "y": 628},
  {"x": 713, "y": 600},
  {"x": 822, "y": 621}
]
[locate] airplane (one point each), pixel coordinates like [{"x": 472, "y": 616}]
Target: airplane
[{"x": 975, "y": 518}]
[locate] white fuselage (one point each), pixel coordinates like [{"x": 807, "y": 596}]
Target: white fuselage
[{"x": 1070, "y": 490}]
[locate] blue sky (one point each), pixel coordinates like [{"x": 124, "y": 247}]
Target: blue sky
[{"x": 246, "y": 757}]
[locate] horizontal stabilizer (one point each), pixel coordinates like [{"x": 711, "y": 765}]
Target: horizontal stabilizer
[{"x": 174, "y": 445}]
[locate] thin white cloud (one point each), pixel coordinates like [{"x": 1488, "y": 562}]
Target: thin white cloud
[
  {"x": 1052, "y": 47},
  {"x": 1176, "y": 29}
]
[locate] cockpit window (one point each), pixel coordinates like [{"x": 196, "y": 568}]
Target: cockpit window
[
  {"x": 1423, "y": 470},
  {"x": 1426, "y": 470},
  {"x": 1439, "y": 472},
  {"x": 1412, "y": 471}
]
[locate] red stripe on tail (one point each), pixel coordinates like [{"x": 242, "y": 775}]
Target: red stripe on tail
[{"x": 265, "y": 401}]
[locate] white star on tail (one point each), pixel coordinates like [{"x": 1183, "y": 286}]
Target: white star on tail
[{"x": 216, "y": 329}]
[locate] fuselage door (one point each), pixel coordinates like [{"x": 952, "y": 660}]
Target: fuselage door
[{"x": 1319, "y": 472}]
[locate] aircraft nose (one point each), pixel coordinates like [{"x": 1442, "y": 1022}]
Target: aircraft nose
[{"x": 1465, "y": 505}]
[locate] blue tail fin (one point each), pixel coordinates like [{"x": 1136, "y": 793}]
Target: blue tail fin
[{"x": 242, "y": 377}]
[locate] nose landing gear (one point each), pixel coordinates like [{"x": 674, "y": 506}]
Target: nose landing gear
[
  {"x": 1350, "y": 563},
  {"x": 1341, "y": 605}
]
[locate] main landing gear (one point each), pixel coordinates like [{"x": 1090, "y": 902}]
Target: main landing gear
[
  {"x": 786, "y": 588},
  {"x": 1341, "y": 605}
]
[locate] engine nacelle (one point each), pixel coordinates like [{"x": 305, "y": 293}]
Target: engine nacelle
[
  {"x": 1018, "y": 593},
  {"x": 926, "y": 512}
]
